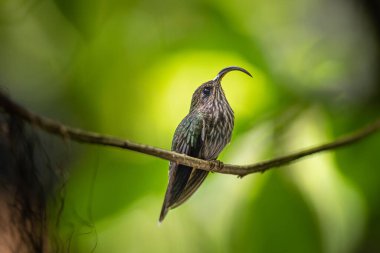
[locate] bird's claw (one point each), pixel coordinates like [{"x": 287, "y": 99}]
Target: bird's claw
[{"x": 216, "y": 166}]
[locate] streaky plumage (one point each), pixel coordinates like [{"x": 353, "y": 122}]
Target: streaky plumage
[{"x": 203, "y": 133}]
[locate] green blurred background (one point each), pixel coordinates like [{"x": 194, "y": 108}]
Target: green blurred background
[{"x": 129, "y": 68}]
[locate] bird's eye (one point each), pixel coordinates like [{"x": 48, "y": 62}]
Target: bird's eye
[{"x": 206, "y": 91}]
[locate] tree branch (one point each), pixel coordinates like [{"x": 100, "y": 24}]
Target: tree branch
[{"x": 57, "y": 128}]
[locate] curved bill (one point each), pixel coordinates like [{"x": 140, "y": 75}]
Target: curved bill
[{"x": 224, "y": 71}]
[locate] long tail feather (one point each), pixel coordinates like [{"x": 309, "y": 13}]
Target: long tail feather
[
  {"x": 178, "y": 178},
  {"x": 196, "y": 179}
]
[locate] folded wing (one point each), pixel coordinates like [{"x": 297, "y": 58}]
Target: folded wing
[{"x": 184, "y": 180}]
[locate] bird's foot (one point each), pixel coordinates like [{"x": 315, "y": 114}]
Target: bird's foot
[{"x": 216, "y": 166}]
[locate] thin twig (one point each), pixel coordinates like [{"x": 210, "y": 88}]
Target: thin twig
[{"x": 57, "y": 128}]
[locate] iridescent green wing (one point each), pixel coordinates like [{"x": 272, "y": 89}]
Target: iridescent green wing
[{"x": 188, "y": 139}]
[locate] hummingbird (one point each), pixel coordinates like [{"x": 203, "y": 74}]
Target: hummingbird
[{"x": 203, "y": 134}]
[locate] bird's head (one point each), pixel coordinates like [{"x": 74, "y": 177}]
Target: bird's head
[{"x": 211, "y": 92}]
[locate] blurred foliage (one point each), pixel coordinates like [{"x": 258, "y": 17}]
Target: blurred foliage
[{"x": 128, "y": 68}]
